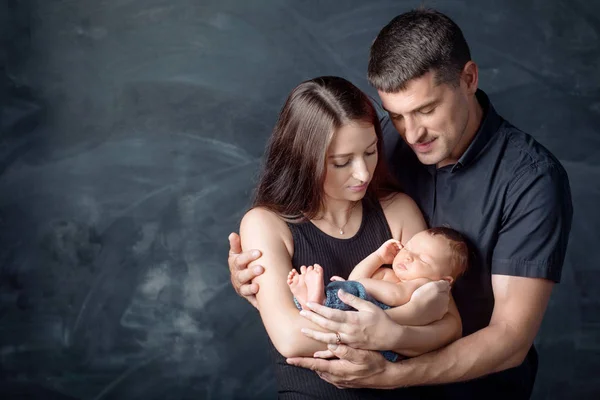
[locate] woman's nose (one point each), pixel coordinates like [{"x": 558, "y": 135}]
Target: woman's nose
[{"x": 361, "y": 172}]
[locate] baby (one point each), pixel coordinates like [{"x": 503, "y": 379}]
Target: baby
[{"x": 431, "y": 255}]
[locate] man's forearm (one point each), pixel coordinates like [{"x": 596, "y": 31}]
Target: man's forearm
[
  {"x": 416, "y": 340},
  {"x": 489, "y": 350}
]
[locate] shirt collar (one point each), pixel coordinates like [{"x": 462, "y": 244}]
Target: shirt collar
[{"x": 490, "y": 124}]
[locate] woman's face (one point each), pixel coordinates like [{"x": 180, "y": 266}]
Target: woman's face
[{"x": 351, "y": 160}]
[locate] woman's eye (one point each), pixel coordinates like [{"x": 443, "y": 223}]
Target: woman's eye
[
  {"x": 370, "y": 153},
  {"x": 341, "y": 165}
]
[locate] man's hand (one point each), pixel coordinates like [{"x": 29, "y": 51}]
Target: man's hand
[
  {"x": 432, "y": 300},
  {"x": 367, "y": 328},
  {"x": 241, "y": 275},
  {"x": 354, "y": 369}
]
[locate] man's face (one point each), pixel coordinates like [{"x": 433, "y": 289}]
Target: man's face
[{"x": 432, "y": 119}]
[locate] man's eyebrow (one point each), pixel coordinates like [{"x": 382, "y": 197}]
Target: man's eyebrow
[
  {"x": 422, "y": 106},
  {"x": 349, "y": 154}
]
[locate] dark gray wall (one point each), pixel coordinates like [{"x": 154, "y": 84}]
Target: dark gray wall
[{"x": 131, "y": 134}]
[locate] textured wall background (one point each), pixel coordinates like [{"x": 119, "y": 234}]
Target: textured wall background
[{"x": 131, "y": 134}]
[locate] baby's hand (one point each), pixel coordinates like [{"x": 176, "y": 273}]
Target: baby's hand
[
  {"x": 337, "y": 278},
  {"x": 389, "y": 250}
]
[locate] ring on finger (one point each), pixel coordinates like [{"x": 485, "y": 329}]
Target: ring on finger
[{"x": 338, "y": 338}]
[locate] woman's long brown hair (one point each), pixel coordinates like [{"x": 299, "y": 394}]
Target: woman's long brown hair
[{"x": 294, "y": 166}]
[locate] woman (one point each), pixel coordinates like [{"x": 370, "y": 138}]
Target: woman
[{"x": 324, "y": 197}]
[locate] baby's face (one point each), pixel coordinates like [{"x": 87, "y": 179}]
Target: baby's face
[{"x": 424, "y": 256}]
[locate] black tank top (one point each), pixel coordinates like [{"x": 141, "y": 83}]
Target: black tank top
[{"x": 337, "y": 257}]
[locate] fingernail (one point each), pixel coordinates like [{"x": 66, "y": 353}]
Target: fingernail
[
  {"x": 332, "y": 347},
  {"x": 341, "y": 292},
  {"x": 289, "y": 361},
  {"x": 303, "y": 330},
  {"x": 258, "y": 269},
  {"x": 255, "y": 253},
  {"x": 303, "y": 313},
  {"x": 309, "y": 305}
]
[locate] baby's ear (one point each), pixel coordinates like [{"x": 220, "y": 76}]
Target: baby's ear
[{"x": 449, "y": 279}]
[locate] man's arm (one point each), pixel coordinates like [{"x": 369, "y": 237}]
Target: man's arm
[
  {"x": 518, "y": 313},
  {"x": 241, "y": 275},
  {"x": 371, "y": 328}
]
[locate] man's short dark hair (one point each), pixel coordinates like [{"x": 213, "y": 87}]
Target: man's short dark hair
[{"x": 413, "y": 44}]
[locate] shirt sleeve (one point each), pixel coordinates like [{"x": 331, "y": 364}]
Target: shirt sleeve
[{"x": 534, "y": 233}]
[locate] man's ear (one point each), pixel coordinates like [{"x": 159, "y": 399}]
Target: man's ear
[{"x": 470, "y": 77}]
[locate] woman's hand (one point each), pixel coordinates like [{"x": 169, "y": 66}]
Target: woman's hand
[{"x": 367, "y": 328}]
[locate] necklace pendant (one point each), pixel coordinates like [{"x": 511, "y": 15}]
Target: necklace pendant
[{"x": 341, "y": 232}]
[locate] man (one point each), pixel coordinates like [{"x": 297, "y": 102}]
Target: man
[{"x": 468, "y": 168}]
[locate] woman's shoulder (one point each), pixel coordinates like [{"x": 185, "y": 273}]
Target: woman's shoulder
[
  {"x": 397, "y": 203},
  {"x": 263, "y": 218},
  {"x": 267, "y": 224},
  {"x": 403, "y": 216}
]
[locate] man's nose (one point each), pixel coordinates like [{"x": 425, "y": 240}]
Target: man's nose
[{"x": 413, "y": 132}]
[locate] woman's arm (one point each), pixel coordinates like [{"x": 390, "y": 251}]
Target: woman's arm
[
  {"x": 403, "y": 216},
  {"x": 264, "y": 230}
]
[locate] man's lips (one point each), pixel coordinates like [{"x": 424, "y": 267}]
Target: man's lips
[{"x": 423, "y": 147}]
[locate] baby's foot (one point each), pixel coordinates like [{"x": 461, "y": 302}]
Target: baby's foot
[
  {"x": 314, "y": 284},
  {"x": 298, "y": 286},
  {"x": 388, "y": 251}
]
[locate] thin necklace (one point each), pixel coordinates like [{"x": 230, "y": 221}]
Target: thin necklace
[{"x": 341, "y": 229}]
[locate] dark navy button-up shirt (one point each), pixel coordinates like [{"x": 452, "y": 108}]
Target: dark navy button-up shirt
[{"x": 507, "y": 194}]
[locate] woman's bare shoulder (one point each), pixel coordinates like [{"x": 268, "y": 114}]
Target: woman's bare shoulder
[
  {"x": 263, "y": 224},
  {"x": 397, "y": 202},
  {"x": 403, "y": 215}
]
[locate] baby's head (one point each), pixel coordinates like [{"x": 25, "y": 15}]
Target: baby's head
[{"x": 436, "y": 253}]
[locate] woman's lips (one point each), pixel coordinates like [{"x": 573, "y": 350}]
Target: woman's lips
[{"x": 358, "y": 188}]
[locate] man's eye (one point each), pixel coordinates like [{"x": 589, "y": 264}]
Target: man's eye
[{"x": 425, "y": 112}]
